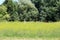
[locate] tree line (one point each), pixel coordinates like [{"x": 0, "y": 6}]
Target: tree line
[{"x": 30, "y": 10}]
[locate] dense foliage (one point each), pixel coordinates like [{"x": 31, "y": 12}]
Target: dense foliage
[{"x": 30, "y": 10}]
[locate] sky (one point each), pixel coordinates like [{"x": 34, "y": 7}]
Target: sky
[{"x": 1, "y": 1}]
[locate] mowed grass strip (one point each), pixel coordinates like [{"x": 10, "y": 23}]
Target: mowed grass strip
[
  {"x": 29, "y": 38},
  {"x": 29, "y": 29}
]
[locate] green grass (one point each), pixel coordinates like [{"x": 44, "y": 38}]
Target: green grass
[{"x": 29, "y": 29}]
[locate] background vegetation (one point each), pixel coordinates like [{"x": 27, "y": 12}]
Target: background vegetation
[{"x": 30, "y": 10}]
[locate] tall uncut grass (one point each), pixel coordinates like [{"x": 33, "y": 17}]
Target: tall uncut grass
[{"x": 29, "y": 29}]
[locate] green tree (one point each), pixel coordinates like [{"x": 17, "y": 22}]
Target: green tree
[
  {"x": 11, "y": 9},
  {"x": 27, "y": 11},
  {"x": 47, "y": 9},
  {"x": 3, "y": 13}
]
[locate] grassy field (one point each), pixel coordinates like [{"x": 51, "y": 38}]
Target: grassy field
[{"x": 29, "y": 29}]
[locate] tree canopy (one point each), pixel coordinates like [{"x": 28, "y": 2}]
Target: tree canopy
[{"x": 30, "y": 10}]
